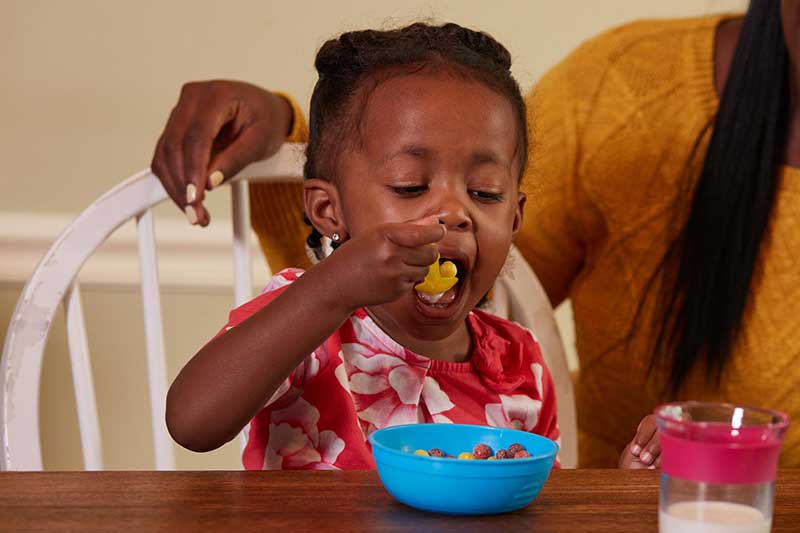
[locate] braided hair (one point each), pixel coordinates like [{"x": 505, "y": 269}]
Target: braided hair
[
  {"x": 352, "y": 65},
  {"x": 715, "y": 255}
]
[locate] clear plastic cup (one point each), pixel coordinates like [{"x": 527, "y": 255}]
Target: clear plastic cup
[{"x": 718, "y": 467}]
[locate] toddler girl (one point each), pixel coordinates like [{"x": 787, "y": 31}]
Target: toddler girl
[{"x": 418, "y": 140}]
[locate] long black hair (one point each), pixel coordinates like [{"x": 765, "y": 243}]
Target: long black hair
[
  {"x": 345, "y": 65},
  {"x": 701, "y": 309}
]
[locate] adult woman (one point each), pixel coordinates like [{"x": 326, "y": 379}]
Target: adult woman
[{"x": 663, "y": 210}]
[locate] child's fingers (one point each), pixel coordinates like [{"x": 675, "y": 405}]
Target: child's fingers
[
  {"x": 413, "y": 235},
  {"x": 429, "y": 220},
  {"x": 421, "y": 256},
  {"x": 415, "y": 274}
]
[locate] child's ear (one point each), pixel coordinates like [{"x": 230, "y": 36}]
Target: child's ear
[
  {"x": 518, "y": 215},
  {"x": 323, "y": 207}
]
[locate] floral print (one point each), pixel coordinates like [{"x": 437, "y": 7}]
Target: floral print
[
  {"x": 361, "y": 380},
  {"x": 515, "y": 412},
  {"x": 296, "y": 442}
]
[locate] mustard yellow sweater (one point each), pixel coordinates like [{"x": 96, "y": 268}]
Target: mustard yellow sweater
[{"x": 613, "y": 126}]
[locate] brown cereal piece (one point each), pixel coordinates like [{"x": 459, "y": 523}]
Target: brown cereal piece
[
  {"x": 436, "y": 452},
  {"x": 481, "y": 451},
  {"x": 514, "y": 448},
  {"x": 521, "y": 454},
  {"x": 503, "y": 454}
]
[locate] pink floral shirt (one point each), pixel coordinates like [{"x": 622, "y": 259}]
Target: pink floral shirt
[{"x": 361, "y": 380}]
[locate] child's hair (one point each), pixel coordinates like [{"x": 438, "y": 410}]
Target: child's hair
[{"x": 347, "y": 63}]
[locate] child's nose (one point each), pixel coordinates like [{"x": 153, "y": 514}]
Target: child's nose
[{"x": 455, "y": 216}]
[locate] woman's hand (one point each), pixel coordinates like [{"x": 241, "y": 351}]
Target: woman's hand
[
  {"x": 644, "y": 451},
  {"x": 216, "y": 129},
  {"x": 384, "y": 263}
]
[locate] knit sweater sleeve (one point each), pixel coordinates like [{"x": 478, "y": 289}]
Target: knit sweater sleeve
[
  {"x": 551, "y": 238},
  {"x": 277, "y": 210},
  {"x": 299, "y": 130},
  {"x": 606, "y": 152}
]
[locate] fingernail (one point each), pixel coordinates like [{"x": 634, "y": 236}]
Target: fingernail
[
  {"x": 636, "y": 449},
  {"x": 216, "y": 178},
  {"x": 191, "y": 193},
  {"x": 646, "y": 457},
  {"x": 191, "y": 214},
  {"x": 652, "y": 467}
]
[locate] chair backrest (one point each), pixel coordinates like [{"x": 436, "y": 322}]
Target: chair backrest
[{"x": 55, "y": 281}]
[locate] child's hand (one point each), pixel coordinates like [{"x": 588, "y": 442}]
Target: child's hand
[
  {"x": 384, "y": 263},
  {"x": 644, "y": 451}
]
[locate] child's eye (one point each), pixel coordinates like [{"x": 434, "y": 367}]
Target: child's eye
[
  {"x": 409, "y": 190},
  {"x": 486, "y": 196}
]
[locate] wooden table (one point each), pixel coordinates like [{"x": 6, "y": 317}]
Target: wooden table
[{"x": 572, "y": 501}]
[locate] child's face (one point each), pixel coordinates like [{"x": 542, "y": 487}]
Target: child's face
[{"x": 437, "y": 144}]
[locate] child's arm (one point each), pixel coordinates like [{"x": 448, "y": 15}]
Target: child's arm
[{"x": 225, "y": 384}]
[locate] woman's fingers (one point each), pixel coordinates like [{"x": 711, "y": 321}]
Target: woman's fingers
[
  {"x": 197, "y": 146},
  {"x": 651, "y": 451},
  {"x": 646, "y": 445},
  {"x": 256, "y": 127},
  {"x": 169, "y": 164},
  {"x": 644, "y": 451},
  {"x": 244, "y": 149},
  {"x": 215, "y": 111},
  {"x": 197, "y": 214},
  {"x": 630, "y": 461},
  {"x": 212, "y": 113},
  {"x": 159, "y": 167},
  {"x": 171, "y": 145},
  {"x": 644, "y": 433},
  {"x": 196, "y": 152},
  {"x": 216, "y": 128},
  {"x": 184, "y": 149}
]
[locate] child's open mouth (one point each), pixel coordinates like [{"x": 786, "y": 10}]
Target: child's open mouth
[{"x": 439, "y": 302}]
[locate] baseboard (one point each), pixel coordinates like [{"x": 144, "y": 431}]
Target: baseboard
[{"x": 189, "y": 257}]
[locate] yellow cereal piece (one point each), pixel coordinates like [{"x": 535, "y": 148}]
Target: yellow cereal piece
[
  {"x": 421, "y": 452},
  {"x": 448, "y": 270},
  {"x": 440, "y": 278},
  {"x": 492, "y": 458},
  {"x": 466, "y": 455}
]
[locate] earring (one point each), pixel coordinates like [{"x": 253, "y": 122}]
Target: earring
[{"x": 335, "y": 237}]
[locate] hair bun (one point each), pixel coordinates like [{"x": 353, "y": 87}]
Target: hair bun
[
  {"x": 355, "y": 52},
  {"x": 345, "y": 62},
  {"x": 481, "y": 43},
  {"x": 329, "y": 58}
]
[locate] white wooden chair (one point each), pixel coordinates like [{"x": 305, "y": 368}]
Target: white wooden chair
[{"x": 55, "y": 280}]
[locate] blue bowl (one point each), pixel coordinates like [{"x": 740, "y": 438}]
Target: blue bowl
[{"x": 457, "y": 486}]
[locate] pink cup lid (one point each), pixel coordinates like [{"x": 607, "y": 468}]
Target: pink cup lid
[{"x": 720, "y": 443}]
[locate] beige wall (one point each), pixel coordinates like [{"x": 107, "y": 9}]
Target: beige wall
[{"x": 86, "y": 87}]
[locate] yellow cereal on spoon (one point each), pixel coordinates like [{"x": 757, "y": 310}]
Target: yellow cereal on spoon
[{"x": 440, "y": 278}]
